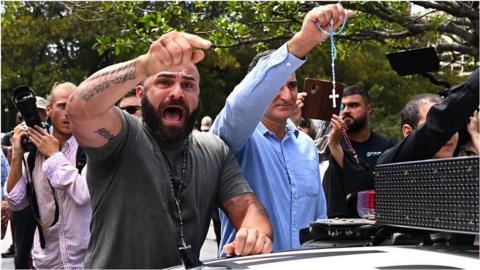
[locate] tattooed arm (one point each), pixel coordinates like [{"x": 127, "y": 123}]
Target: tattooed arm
[{"x": 90, "y": 107}]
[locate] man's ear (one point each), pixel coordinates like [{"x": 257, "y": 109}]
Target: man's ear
[
  {"x": 139, "y": 91},
  {"x": 406, "y": 130},
  {"x": 369, "y": 109},
  {"x": 49, "y": 109}
]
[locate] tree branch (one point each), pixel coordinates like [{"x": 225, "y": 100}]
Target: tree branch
[
  {"x": 452, "y": 8},
  {"x": 457, "y": 48},
  {"x": 251, "y": 41}
]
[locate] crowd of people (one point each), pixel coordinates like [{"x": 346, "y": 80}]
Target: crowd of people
[{"x": 121, "y": 177}]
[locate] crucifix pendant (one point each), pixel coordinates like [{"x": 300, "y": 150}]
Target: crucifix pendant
[
  {"x": 189, "y": 259},
  {"x": 334, "y": 97}
]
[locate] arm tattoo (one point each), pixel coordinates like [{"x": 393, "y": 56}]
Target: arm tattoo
[
  {"x": 118, "y": 75},
  {"x": 105, "y": 133}
]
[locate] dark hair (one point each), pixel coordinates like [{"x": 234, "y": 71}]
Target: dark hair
[
  {"x": 357, "y": 90},
  {"x": 257, "y": 57},
  {"x": 131, "y": 93},
  {"x": 410, "y": 113}
]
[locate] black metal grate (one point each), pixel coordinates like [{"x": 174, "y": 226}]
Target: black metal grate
[{"x": 437, "y": 194}]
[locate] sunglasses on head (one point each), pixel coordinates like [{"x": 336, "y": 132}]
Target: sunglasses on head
[{"x": 131, "y": 109}]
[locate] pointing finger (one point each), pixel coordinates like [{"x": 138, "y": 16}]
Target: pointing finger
[
  {"x": 186, "y": 50},
  {"x": 197, "y": 41}
]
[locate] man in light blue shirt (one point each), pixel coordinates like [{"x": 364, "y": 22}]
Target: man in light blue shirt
[{"x": 279, "y": 162}]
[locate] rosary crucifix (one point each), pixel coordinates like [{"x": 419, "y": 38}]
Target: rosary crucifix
[
  {"x": 331, "y": 33},
  {"x": 334, "y": 94}
]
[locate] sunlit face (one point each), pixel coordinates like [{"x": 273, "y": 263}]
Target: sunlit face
[
  {"x": 56, "y": 111},
  {"x": 355, "y": 112},
  {"x": 448, "y": 149},
  {"x": 170, "y": 100},
  {"x": 284, "y": 102}
]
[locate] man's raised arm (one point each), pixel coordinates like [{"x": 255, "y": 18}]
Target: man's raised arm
[{"x": 91, "y": 107}]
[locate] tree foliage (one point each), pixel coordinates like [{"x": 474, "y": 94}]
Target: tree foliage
[
  {"x": 44, "y": 43},
  {"x": 119, "y": 31}
]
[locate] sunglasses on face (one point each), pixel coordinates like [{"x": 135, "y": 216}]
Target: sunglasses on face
[{"x": 131, "y": 109}]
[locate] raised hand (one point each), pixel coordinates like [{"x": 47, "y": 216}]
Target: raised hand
[
  {"x": 473, "y": 129},
  {"x": 46, "y": 143},
  {"x": 309, "y": 36},
  {"x": 173, "y": 48},
  {"x": 336, "y": 131},
  {"x": 249, "y": 241},
  {"x": 296, "y": 115}
]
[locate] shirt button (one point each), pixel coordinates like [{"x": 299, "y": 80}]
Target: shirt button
[{"x": 289, "y": 64}]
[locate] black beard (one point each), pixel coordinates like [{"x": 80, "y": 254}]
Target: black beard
[
  {"x": 357, "y": 124},
  {"x": 161, "y": 132}
]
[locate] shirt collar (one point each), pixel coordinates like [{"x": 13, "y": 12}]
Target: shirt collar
[
  {"x": 69, "y": 143},
  {"x": 290, "y": 128}
]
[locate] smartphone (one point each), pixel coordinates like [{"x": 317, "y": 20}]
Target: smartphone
[{"x": 320, "y": 103}]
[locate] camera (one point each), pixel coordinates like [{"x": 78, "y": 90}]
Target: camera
[{"x": 24, "y": 100}]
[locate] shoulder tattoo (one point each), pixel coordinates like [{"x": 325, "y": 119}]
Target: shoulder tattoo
[{"x": 105, "y": 133}]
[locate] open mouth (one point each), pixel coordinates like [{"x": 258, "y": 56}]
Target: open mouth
[{"x": 173, "y": 115}]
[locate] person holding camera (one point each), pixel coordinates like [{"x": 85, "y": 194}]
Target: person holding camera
[
  {"x": 279, "y": 162},
  {"x": 52, "y": 187}
]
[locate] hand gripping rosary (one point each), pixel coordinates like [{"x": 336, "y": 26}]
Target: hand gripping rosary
[{"x": 331, "y": 33}]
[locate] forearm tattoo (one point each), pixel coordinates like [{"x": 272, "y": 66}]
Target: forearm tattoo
[
  {"x": 261, "y": 210},
  {"x": 105, "y": 133},
  {"x": 118, "y": 75}
]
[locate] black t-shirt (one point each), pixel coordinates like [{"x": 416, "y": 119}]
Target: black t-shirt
[
  {"x": 339, "y": 182},
  {"x": 135, "y": 222},
  {"x": 371, "y": 149}
]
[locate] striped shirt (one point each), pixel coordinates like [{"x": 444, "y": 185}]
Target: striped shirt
[{"x": 65, "y": 242}]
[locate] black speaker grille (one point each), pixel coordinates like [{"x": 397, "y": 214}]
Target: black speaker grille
[{"x": 437, "y": 194}]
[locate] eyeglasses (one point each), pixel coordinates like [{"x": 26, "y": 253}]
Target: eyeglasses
[{"x": 131, "y": 109}]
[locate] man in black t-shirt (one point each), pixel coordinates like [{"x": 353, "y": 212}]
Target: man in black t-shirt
[
  {"x": 345, "y": 175},
  {"x": 153, "y": 182}
]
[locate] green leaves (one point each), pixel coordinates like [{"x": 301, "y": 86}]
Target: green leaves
[{"x": 44, "y": 42}]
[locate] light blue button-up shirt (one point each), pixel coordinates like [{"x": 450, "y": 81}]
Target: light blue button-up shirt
[{"x": 283, "y": 173}]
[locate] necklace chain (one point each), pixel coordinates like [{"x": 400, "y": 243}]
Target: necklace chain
[{"x": 176, "y": 195}]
